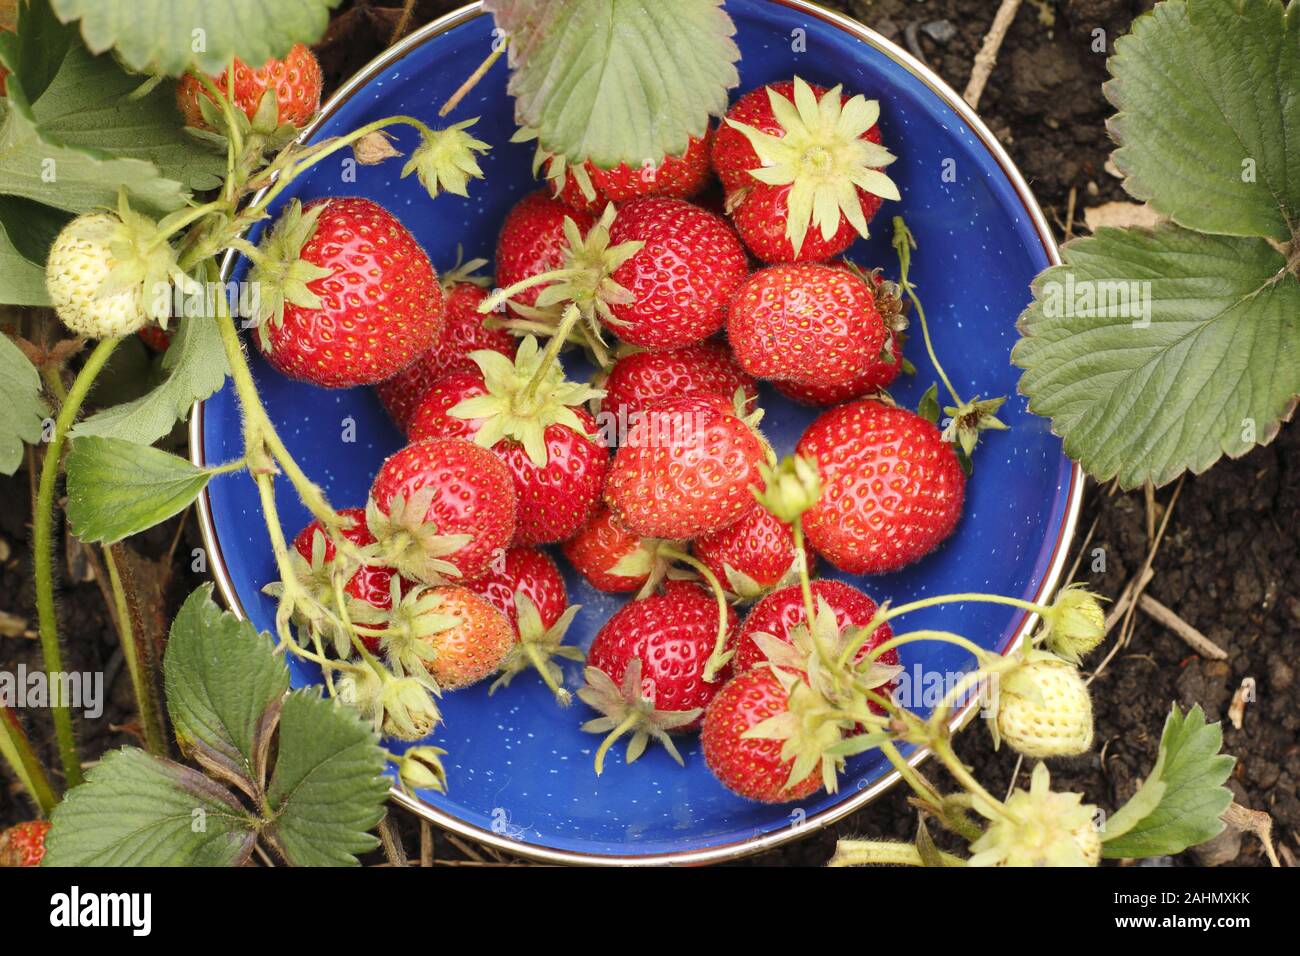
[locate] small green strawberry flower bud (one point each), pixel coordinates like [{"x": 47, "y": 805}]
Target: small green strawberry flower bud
[
  {"x": 445, "y": 159},
  {"x": 1076, "y": 624},
  {"x": 1043, "y": 708},
  {"x": 1038, "y": 828},
  {"x": 421, "y": 769},
  {"x": 790, "y": 488},
  {"x": 409, "y": 709}
]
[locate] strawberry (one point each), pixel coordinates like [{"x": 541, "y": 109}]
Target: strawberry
[
  {"x": 348, "y": 297},
  {"x": 782, "y": 611},
  {"x": 752, "y": 767},
  {"x": 24, "y": 844},
  {"x": 553, "y": 450},
  {"x": 892, "y": 488},
  {"x": 440, "y": 509},
  {"x": 686, "y": 469},
  {"x": 154, "y": 338},
  {"x": 679, "y": 281},
  {"x": 532, "y": 242},
  {"x": 645, "y": 668},
  {"x": 640, "y": 378},
  {"x": 806, "y": 322},
  {"x": 295, "y": 83},
  {"x": 751, "y": 556},
  {"x": 590, "y": 188},
  {"x": 1043, "y": 708},
  {"x": 793, "y": 156},
  {"x": 614, "y": 559},
  {"x": 453, "y": 634},
  {"x": 462, "y": 333}
]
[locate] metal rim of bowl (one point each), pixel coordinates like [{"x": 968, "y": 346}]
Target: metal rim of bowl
[{"x": 761, "y": 842}]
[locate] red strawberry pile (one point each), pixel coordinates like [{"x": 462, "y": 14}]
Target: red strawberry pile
[{"x": 654, "y": 478}]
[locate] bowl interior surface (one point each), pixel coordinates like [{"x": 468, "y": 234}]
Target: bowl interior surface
[{"x": 519, "y": 768}]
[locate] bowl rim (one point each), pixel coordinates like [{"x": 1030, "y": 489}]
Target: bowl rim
[{"x": 760, "y": 842}]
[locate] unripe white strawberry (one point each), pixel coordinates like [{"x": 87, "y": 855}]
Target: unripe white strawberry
[
  {"x": 1038, "y": 828},
  {"x": 76, "y": 276},
  {"x": 1043, "y": 708}
]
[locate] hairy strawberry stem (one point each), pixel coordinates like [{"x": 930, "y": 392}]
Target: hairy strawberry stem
[
  {"x": 141, "y": 681},
  {"x": 882, "y": 853},
  {"x": 18, "y": 752}
]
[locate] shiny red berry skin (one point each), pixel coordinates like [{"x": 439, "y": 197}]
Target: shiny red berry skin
[
  {"x": 759, "y": 546},
  {"x": 296, "y": 81},
  {"x": 598, "y": 547},
  {"x": 532, "y": 241},
  {"x": 678, "y": 177},
  {"x": 24, "y": 843},
  {"x": 641, "y": 378},
  {"x": 876, "y": 377},
  {"x": 524, "y": 571}
]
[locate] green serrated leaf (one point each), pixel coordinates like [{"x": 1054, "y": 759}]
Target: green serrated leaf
[
  {"x": 328, "y": 789},
  {"x": 139, "y": 810},
  {"x": 195, "y": 366},
  {"x": 1209, "y": 114},
  {"x": 170, "y": 36},
  {"x": 1188, "y": 350},
  {"x": 618, "y": 82},
  {"x": 22, "y": 411},
  {"x": 117, "y": 488},
  {"x": 221, "y": 678},
  {"x": 1191, "y": 771}
]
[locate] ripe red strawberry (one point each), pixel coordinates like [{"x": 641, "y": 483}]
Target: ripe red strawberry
[
  {"x": 370, "y": 585},
  {"x": 155, "y": 338},
  {"x": 876, "y": 377},
  {"x": 295, "y": 82},
  {"x": 686, "y": 469},
  {"x": 782, "y": 611},
  {"x": 645, "y": 668},
  {"x": 532, "y": 241},
  {"x": 751, "y": 556},
  {"x": 801, "y": 165},
  {"x": 441, "y": 507},
  {"x": 892, "y": 488},
  {"x": 638, "y": 379},
  {"x": 556, "y": 497},
  {"x": 462, "y": 333},
  {"x": 806, "y": 322},
  {"x": 24, "y": 844},
  {"x": 455, "y": 635},
  {"x": 348, "y": 297},
  {"x": 679, "y": 282},
  {"x": 751, "y": 767},
  {"x": 678, "y": 177},
  {"x": 612, "y": 558}
]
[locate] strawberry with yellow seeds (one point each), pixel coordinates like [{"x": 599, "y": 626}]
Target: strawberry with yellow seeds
[
  {"x": 454, "y": 635},
  {"x": 293, "y": 85},
  {"x": 615, "y": 560},
  {"x": 802, "y": 166},
  {"x": 751, "y": 556},
  {"x": 1043, "y": 708},
  {"x": 24, "y": 844}
]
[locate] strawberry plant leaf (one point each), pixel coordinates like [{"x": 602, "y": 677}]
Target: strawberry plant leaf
[
  {"x": 139, "y": 810},
  {"x": 1180, "y": 803},
  {"x": 1208, "y": 114},
  {"x": 224, "y": 682},
  {"x": 328, "y": 788},
  {"x": 170, "y": 36},
  {"x": 37, "y": 46},
  {"x": 1158, "y": 352},
  {"x": 117, "y": 488},
  {"x": 618, "y": 82},
  {"x": 22, "y": 410},
  {"x": 22, "y": 281},
  {"x": 195, "y": 367}
]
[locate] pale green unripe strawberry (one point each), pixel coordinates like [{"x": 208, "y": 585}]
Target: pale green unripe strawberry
[
  {"x": 76, "y": 277},
  {"x": 1039, "y": 827},
  {"x": 1043, "y": 708}
]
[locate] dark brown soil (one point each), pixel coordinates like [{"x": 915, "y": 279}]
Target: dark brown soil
[{"x": 1228, "y": 564}]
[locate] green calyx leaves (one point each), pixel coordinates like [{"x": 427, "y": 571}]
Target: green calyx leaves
[
  {"x": 537, "y": 645},
  {"x": 409, "y": 544},
  {"x": 1039, "y": 827},
  {"x": 524, "y": 398},
  {"x": 1157, "y": 352},
  {"x": 823, "y": 157},
  {"x": 445, "y": 159},
  {"x": 280, "y": 271},
  {"x": 628, "y": 709}
]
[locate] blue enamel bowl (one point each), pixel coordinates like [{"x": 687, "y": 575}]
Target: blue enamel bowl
[{"x": 519, "y": 769}]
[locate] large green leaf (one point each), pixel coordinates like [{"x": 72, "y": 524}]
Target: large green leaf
[
  {"x": 22, "y": 411},
  {"x": 170, "y": 36},
  {"x": 195, "y": 366},
  {"x": 117, "y": 488},
  {"x": 328, "y": 788},
  {"x": 618, "y": 81},
  {"x": 1208, "y": 93},
  {"x": 1213, "y": 372},
  {"x": 139, "y": 810},
  {"x": 1180, "y": 803},
  {"x": 37, "y": 48},
  {"x": 224, "y": 682}
]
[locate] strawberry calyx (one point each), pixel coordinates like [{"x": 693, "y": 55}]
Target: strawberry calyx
[
  {"x": 790, "y": 487},
  {"x": 628, "y": 709},
  {"x": 420, "y": 768},
  {"x": 445, "y": 159},
  {"x": 537, "y": 644},
  {"x": 1037, "y": 827},
  {"x": 464, "y": 272},
  {"x": 555, "y": 165},
  {"x": 416, "y": 616},
  {"x": 279, "y": 270},
  {"x": 411, "y": 545},
  {"x": 524, "y": 397},
  {"x": 651, "y": 559},
  {"x": 1075, "y": 623},
  {"x": 823, "y": 157}
]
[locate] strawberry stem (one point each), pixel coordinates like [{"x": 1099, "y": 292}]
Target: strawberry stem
[
  {"x": 473, "y": 79},
  {"x": 719, "y": 657},
  {"x": 629, "y": 722},
  {"x": 542, "y": 664},
  {"x": 16, "y": 748}
]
